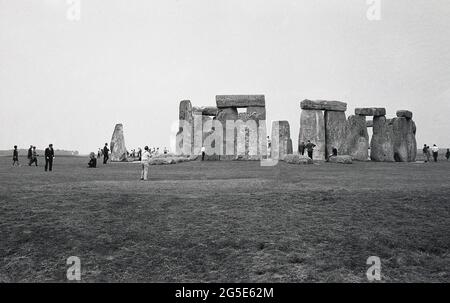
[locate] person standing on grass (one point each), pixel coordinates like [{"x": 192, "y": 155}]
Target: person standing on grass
[
  {"x": 425, "y": 153},
  {"x": 49, "y": 155},
  {"x": 105, "y": 153},
  {"x": 310, "y": 149},
  {"x": 33, "y": 157},
  {"x": 301, "y": 148},
  {"x": 447, "y": 154},
  {"x": 203, "y": 153},
  {"x": 30, "y": 154},
  {"x": 435, "y": 151},
  {"x": 15, "y": 156},
  {"x": 145, "y": 164}
]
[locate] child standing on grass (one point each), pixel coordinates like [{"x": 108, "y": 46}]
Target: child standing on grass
[{"x": 15, "y": 156}]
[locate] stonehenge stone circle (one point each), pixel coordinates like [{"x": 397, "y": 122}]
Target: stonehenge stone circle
[
  {"x": 281, "y": 139},
  {"x": 323, "y": 105},
  {"x": 312, "y": 127},
  {"x": 381, "y": 145},
  {"x": 358, "y": 138},
  {"x": 370, "y": 111},
  {"x": 117, "y": 145},
  {"x": 404, "y": 139}
]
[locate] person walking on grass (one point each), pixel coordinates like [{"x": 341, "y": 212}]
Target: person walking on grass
[
  {"x": 49, "y": 155},
  {"x": 435, "y": 151},
  {"x": 447, "y": 154},
  {"x": 34, "y": 156},
  {"x": 310, "y": 149},
  {"x": 105, "y": 153},
  {"x": 15, "y": 156},
  {"x": 145, "y": 164},
  {"x": 426, "y": 153},
  {"x": 30, "y": 154}
]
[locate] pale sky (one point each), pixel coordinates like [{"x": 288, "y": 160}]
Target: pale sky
[{"x": 69, "y": 82}]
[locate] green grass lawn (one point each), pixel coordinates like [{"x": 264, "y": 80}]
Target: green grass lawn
[{"x": 225, "y": 222}]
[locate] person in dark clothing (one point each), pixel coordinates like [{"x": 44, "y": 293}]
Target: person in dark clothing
[
  {"x": 310, "y": 149},
  {"x": 447, "y": 154},
  {"x": 105, "y": 153},
  {"x": 15, "y": 156},
  {"x": 33, "y": 157},
  {"x": 49, "y": 155},
  {"x": 334, "y": 154},
  {"x": 30, "y": 153},
  {"x": 301, "y": 148},
  {"x": 92, "y": 161}
]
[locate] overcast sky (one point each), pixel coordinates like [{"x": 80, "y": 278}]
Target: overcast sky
[{"x": 69, "y": 82}]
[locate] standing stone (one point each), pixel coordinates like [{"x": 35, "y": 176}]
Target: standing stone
[
  {"x": 336, "y": 131},
  {"x": 381, "y": 146},
  {"x": 405, "y": 145},
  {"x": 118, "y": 149},
  {"x": 312, "y": 127},
  {"x": 185, "y": 115},
  {"x": 229, "y": 144},
  {"x": 281, "y": 140},
  {"x": 358, "y": 138}
]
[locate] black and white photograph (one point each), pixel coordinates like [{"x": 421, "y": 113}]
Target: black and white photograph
[{"x": 249, "y": 143}]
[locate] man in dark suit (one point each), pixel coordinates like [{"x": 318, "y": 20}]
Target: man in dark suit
[
  {"x": 49, "y": 155},
  {"x": 105, "y": 153}
]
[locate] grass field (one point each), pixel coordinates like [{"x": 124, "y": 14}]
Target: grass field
[{"x": 225, "y": 222}]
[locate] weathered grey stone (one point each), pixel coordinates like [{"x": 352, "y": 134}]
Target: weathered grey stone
[
  {"x": 344, "y": 159},
  {"x": 404, "y": 139},
  {"x": 336, "y": 131},
  {"x": 370, "y": 111},
  {"x": 185, "y": 116},
  {"x": 224, "y": 101},
  {"x": 404, "y": 113},
  {"x": 323, "y": 105},
  {"x": 281, "y": 139},
  {"x": 312, "y": 127},
  {"x": 381, "y": 145},
  {"x": 117, "y": 145},
  {"x": 229, "y": 144},
  {"x": 358, "y": 138},
  {"x": 297, "y": 159},
  {"x": 205, "y": 110}
]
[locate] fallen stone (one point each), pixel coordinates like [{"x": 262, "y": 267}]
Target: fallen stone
[
  {"x": 117, "y": 145},
  {"x": 336, "y": 132},
  {"x": 323, "y": 105},
  {"x": 404, "y": 113},
  {"x": 312, "y": 127},
  {"x": 297, "y": 159},
  {"x": 344, "y": 159},
  {"x": 381, "y": 145},
  {"x": 404, "y": 139},
  {"x": 224, "y": 101},
  {"x": 370, "y": 111},
  {"x": 358, "y": 138}
]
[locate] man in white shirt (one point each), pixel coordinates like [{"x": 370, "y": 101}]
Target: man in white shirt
[
  {"x": 145, "y": 163},
  {"x": 203, "y": 153},
  {"x": 435, "y": 151}
]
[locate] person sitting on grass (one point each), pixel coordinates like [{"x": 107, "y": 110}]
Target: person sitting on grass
[{"x": 93, "y": 161}]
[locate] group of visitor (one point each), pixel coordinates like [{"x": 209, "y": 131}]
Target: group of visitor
[{"x": 32, "y": 156}]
